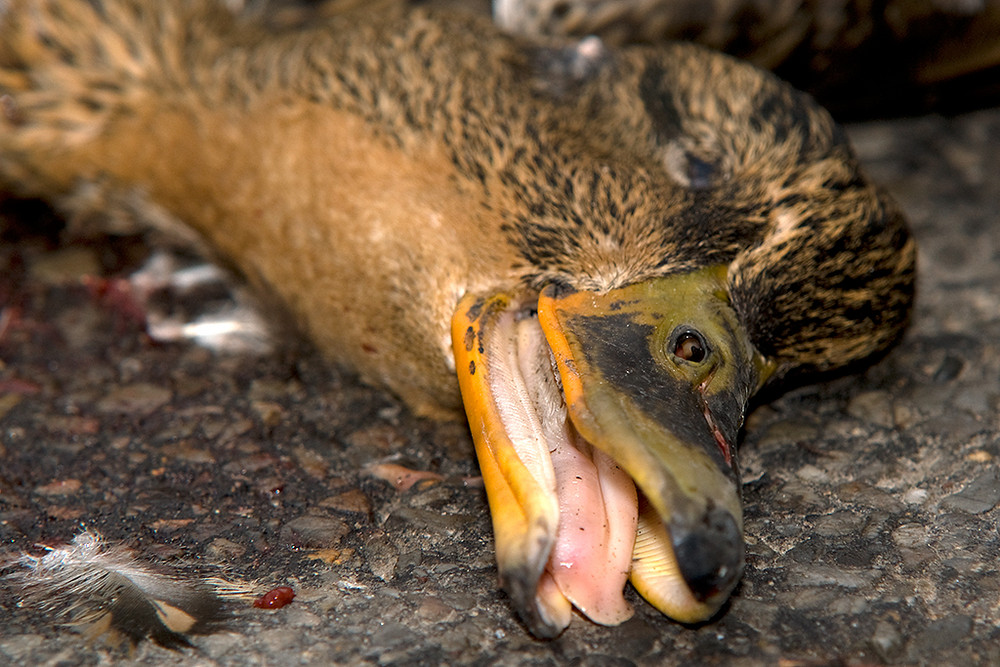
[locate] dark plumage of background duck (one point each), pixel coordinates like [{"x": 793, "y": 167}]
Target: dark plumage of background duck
[
  {"x": 860, "y": 59},
  {"x": 611, "y": 250}
]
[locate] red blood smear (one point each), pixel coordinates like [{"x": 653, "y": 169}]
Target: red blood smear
[
  {"x": 118, "y": 296},
  {"x": 275, "y": 598}
]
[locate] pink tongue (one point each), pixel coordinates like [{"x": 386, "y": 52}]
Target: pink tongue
[
  {"x": 598, "y": 512},
  {"x": 598, "y": 508}
]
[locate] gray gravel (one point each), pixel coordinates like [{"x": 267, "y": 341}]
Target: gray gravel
[{"x": 872, "y": 501}]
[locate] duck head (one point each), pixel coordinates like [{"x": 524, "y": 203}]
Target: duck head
[
  {"x": 606, "y": 427},
  {"x": 607, "y": 389}
]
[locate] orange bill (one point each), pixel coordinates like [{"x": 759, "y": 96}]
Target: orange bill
[{"x": 605, "y": 426}]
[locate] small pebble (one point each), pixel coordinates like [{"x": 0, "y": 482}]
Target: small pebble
[
  {"x": 887, "y": 641},
  {"x": 811, "y": 473},
  {"x": 981, "y": 495},
  {"x": 949, "y": 369},
  {"x": 873, "y": 407},
  {"x": 914, "y": 496},
  {"x": 352, "y": 501},
  {"x": 910, "y": 535},
  {"x": 136, "y": 399},
  {"x": 61, "y": 487},
  {"x": 939, "y": 636},
  {"x": 314, "y": 532},
  {"x": 433, "y": 610},
  {"x": 223, "y": 549}
]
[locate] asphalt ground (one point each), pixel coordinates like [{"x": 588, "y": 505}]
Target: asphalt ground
[{"x": 872, "y": 500}]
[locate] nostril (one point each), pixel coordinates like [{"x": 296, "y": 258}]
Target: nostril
[{"x": 709, "y": 553}]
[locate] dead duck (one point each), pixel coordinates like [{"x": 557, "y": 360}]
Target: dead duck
[{"x": 600, "y": 255}]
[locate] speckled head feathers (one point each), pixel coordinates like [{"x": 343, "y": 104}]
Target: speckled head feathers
[{"x": 586, "y": 166}]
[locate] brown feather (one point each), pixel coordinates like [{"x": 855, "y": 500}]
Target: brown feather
[{"x": 373, "y": 167}]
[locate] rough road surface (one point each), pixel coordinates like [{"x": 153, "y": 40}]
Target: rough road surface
[{"x": 872, "y": 501}]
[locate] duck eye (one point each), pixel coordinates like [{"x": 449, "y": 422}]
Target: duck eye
[{"x": 690, "y": 346}]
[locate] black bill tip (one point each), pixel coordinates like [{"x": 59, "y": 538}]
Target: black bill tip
[{"x": 709, "y": 552}]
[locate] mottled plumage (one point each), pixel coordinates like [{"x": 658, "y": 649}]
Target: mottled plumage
[
  {"x": 592, "y": 185},
  {"x": 859, "y": 57},
  {"x": 398, "y": 175}
]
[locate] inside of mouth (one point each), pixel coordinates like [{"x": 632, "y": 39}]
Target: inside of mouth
[{"x": 591, "y": 558}]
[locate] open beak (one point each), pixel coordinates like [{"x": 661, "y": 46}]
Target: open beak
[{"x": 605, "y": 425}]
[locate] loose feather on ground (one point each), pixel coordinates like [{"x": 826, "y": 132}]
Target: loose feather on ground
[{"x": 103, "y": 588}]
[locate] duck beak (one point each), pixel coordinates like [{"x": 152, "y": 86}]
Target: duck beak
[{"x": 605, "y": 425}]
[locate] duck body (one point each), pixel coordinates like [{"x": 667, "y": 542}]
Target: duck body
[
  {"x": 431, "y": 199},
  {"x": 386, "y": 231}
]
